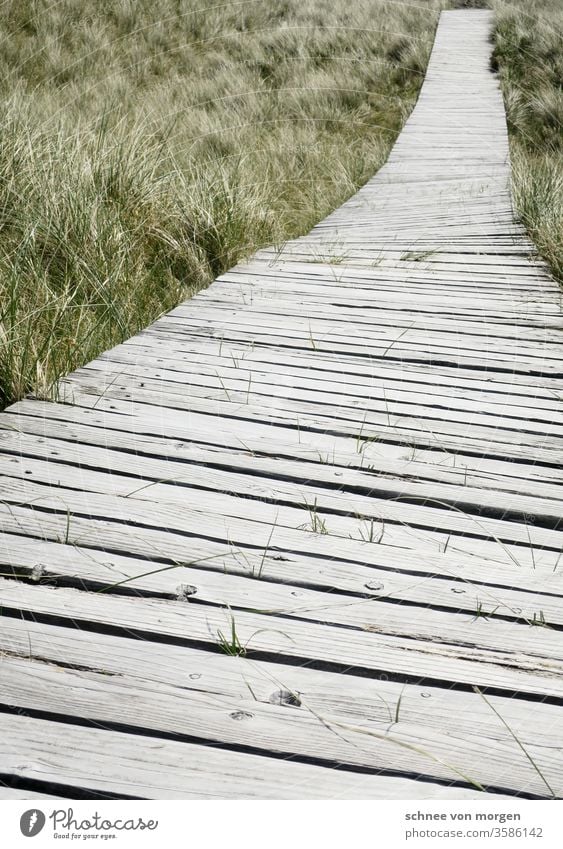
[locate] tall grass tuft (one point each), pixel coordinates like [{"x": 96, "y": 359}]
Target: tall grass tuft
[
  {"x": 145, "y": 148},
  {"x": 528, "y": 55}
]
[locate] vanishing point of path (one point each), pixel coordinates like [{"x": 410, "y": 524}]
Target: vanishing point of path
[{"x": 298, "y": 539}]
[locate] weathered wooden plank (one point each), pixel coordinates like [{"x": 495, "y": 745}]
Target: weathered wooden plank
[
  {"x": 295, "y": 362},
  {"x": 335, "y": 452},
  {"x": 388, "y": 398},
  {"x": 263, "y": 274},
  {"x": 34, "y": 457},
  {"x": 367, "y": 652},
  {"x": 386, "y": 323},
  {"x": 105, "y": 762},
  {"x": 240, "y": 677},
  {"x": 295, "y": 558},
  {"x": 366, "y": 347},
  {"x": 299, "y": 586},
  {"x": 461, "y": 513},
  {"x": 263, "y": 726},
  {"x": 15, "y": 794},
  {"x": 234, "y": 520},
  {"x": 440, "y": 433},
  {"x": 26, "y": 435},
  {"x": 410, "y": 343},
  {"x": 342, "y": 327}
]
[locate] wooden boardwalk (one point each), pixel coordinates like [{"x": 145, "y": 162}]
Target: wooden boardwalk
[{"x": 339, "y": 463}]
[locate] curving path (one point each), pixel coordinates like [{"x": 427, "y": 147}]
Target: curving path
[{"x": 299, "y": 538}]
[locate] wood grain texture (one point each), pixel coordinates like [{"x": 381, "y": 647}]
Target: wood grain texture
[
  {"x": 300, "y": 538},
  {"x": 100, "y": 763}
]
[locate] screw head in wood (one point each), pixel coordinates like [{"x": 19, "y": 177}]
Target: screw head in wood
[
  {"x": 183, "y": 591},
  {"x": 241, "y": 714},
  {"x": 285, "y": 697}
]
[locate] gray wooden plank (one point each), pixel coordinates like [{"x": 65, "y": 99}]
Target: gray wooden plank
[
  {"x": 34, "y": 457},
  {"x": 335, "y": 452},
  {"x": 150, "y": 768},
  {"x": 436, "y": 432},
  {"x": 465, "y": 713},
  {"x": 283, "y": 730},
  {"x": 369, "y": 652},
  {"x": 68, "y": 438},
  {"x": 296, "y": 361},
  {"x": 234, "y": 520},
  {"x": 16, "y": 794},
  {"x": 299, "y": 586},
  {"x": 387, "y": 398}
]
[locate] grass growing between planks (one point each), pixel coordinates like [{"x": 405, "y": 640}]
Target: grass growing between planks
[
  {"x": 146, "y": 148},
  {"x": 529, "y": 57}
]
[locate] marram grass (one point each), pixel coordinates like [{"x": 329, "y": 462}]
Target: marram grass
[{"x": 528, "y": 55}]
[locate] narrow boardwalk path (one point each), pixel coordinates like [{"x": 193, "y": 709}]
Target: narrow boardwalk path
[{"x": 342, "y": 459}]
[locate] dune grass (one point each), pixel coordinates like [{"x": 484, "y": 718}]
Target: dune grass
[
  {"x": 528, "y": 54},
  {"x": 145, "y": 148}
]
